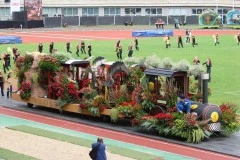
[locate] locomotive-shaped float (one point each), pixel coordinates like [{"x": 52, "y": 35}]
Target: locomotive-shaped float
[{"x": 146, "y": 96}]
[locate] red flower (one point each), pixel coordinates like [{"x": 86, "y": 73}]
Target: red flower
[{"x": 164, "y": 116}]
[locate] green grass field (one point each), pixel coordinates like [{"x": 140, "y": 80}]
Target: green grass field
[{"x": 225, "y": 71}]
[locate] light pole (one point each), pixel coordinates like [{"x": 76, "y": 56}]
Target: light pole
[{"x": 233, "y": 4}]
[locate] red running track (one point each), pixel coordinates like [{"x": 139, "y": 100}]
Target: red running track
[
  {"x": 120, "y": 136},
  {"x": 31, "y": 36}
]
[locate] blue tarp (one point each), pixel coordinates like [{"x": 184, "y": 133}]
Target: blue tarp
[
  {"x": 10, "y": 39},
  {"x": 152, "y": 33}
]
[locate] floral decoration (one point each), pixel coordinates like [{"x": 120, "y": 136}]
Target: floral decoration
[{"x": 25, "y": 92}]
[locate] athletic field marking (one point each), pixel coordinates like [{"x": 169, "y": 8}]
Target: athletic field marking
[{"x": 128, "y": 135}]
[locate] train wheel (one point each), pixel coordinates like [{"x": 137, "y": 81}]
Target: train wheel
[{"x": 30, "y": 105}]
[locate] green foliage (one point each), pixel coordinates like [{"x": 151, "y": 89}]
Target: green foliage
[
  {"x": 230, "y": 120},
  {"x": 150, "y": 123},
  {"x": 171, "y": 95},
  {"x": 62, "y": 57},
  {"x": 153, "y": 62},
  {"x": 182, "y": 65},
  {"x": 35, "y": 78},
  {"x": 93, "y": 111},
  {"x": 114, "y": 114},
  {"x": 28, "y": 61},
  {"x": 126, "y": 110},
  {"x": 147, "y": 105},
  {"x": 89, "y": 93},
  {"x": 48, "y": 64},
  {"x": 167, "y": 63},
  {"x": 133, "y": 60},
  {"x": 20, "y": 75},
  {"x": 196, "y": 70}
]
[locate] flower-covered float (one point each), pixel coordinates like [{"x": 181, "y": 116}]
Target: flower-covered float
[{"x": 142, "y": 90}]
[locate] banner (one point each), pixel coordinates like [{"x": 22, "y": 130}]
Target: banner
[
  {"x": 14, "y": 6},
  {"x": 34, "y": 9}
]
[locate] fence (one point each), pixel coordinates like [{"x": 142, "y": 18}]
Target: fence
[{"x": 114, "y": 20}]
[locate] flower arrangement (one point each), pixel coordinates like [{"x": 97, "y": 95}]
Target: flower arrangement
[
  {"x": 25, "y": 91},
  {"x": 188, "y": 128},
  {"x": 230, "y": 121},
  {"x": 48, "y": 64},
  {"x": 69, "y": 94},
  {"x": 55, "y": 90},
  {"x": 126, "y": 108}
]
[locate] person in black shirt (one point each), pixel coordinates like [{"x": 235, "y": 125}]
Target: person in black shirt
[
  {"x": 51, "y": 46},
  {"x": 238, "y": 38},
  {"x": 136, "y": 43},
  {"x": 6, "y": 65},
  {"x": 89, "y": 50},
  {"x": 40, "y": 47},
  {"x": 180, "y": 41},
  {"x": 130, "y": 50},
  {"x": 208, "y": 64},
  {"x": 119, "y": 52},
  {"x": 117, "y": 45},
  {"x": 83, "y": 47},
  {"x": 14, "y": 51},
  {"x": 194, "y": 41},
  {"x": 2, "y": 83},
  {"x": 77, "y": 52},
  {"x": 68, "y": 47}
]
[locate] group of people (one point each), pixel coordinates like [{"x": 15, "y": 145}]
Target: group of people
[
  {"x": 79, "y": 47},
  {"x": 119, "y": 48},
  {"x": 192, "y": 39}
]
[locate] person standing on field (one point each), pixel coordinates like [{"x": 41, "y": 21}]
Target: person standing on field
[
  {"x": 180, "y": 43},
  {"x": 89, "y": 50},
  {"x": 117, "y": 45},
  {"x": 216, "y": 39},
  {"x": 136, "y": 43},
  {"x": 237, "y": 37},
  {"x": 194, "y": 41},
  {"x": 83, "y": 47},
  {"x": 68, "y": 45},
  {"x": 40, "y": 47},
  {"x": 51, "y": 46},
  {"x": 2, "y": 83},
  {"x": 77, "y": 52},
  {"x": 119, "y": 52},
  {"x": 130, "y": 50},
  {"x": 208, "y": 64}
]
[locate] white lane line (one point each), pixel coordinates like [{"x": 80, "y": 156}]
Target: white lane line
[{"x": 126, "y": 134}]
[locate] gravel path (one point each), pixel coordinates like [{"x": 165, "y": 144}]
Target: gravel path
[{"x": 46, "y": 148}]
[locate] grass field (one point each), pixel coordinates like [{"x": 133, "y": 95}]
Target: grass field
[{"x": 225, "y": 59}]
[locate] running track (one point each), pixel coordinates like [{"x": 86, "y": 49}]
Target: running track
[
  {"x": 31, "y": 36},
  {"x": 125, "y": 137}
]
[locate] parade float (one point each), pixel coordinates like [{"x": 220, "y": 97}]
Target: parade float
[
  {"x": 209, "y": 19},
  {"x": 141, "y": 90}
]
